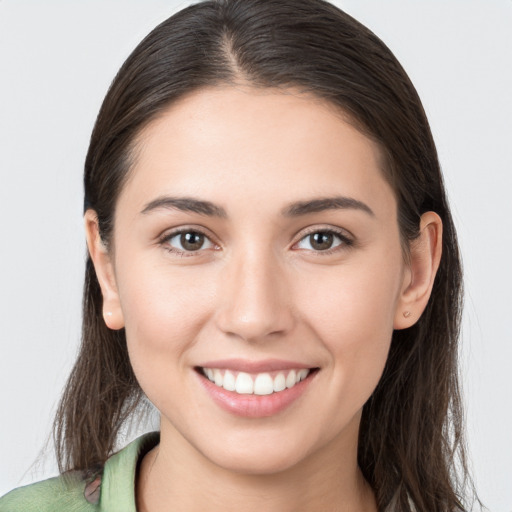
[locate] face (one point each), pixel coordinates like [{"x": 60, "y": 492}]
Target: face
[{"x": 256, "y": 244}]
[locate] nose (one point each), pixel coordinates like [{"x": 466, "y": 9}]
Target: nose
[{"x": 256, "y": 300}]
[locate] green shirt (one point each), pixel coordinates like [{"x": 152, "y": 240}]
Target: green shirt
[{"x": 110, "y": 490}]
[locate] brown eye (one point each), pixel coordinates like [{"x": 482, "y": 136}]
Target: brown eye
[
  {"x": 322, "y": 241},
  {"x": 187, "y": 241},
  {"x": 191, "y": 241}
]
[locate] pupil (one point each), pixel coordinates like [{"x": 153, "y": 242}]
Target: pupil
[
  {"x": 321, "y": 241},
  {"x": 192, "y": 241}
]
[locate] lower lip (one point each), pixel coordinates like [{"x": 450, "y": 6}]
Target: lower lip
[{"x": 255, "y": 406}]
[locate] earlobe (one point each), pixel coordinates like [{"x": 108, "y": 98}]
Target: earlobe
[
  {"x": 112, "y": 312},
  {"x": 425, "y": 256}
]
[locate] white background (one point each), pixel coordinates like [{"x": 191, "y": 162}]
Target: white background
[{"x": 56, "y": 62}]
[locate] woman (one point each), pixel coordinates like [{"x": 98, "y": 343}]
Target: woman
[{"x": 272, "y": 262}]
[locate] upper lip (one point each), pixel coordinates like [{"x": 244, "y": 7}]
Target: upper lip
[{"x": 244, "y": 365}]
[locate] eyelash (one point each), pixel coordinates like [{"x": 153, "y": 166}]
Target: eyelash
[
  {"x": 346, "y": 242},
  {"x": 164, "y": 241}
]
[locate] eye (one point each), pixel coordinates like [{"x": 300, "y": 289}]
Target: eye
[
  {"x": 187, "y": 241},
  {"x": 323, "y": 240}
]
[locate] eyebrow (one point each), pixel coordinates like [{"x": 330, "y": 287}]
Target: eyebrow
[
  {"x": 190, "y": 204},
  {"x": 186, "y": 204},
  {"x": 326, "y": 203}
]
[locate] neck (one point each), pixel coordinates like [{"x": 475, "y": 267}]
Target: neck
[{"x": 174, "y": 476}]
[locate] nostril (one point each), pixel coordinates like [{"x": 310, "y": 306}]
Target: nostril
[{"x": 256, "y": 326}]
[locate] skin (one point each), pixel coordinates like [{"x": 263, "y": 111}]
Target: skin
[{"x": 256, "y": 290}]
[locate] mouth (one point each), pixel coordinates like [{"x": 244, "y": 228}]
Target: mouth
[
  {"x": 255, "y": 390},
  {"x": 262, "y": 383}
]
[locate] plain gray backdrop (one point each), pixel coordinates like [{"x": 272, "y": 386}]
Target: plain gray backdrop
[{"x": 57, "y": 59}]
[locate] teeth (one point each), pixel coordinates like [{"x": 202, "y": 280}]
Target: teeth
[
  {"x": 217, "y": 378},
  {"x": 302, "y": 374},
  {"x": 263, "y": 385},
  {"x": 260, "y": 384},
  {"x": 229, "y": 381},
  {"x": 279, "y": 382},
  {"x": 290, "y": 380},
  {"x": 244, "y": 384}
]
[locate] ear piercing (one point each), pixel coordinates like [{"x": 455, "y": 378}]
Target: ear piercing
[
  {"x": 406, "y": 314},
  {"x": 108, "y": 313}
]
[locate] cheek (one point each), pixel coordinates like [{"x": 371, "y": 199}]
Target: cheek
[
  {"x": 354, "y": 299},
  {"x": 164, "y": 310},
  {"x": 352, "y": 312}
]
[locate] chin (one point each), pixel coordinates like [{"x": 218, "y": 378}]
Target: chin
[
  {"x": 260, "y": 461},
  {"x": 263, "y": 452}
]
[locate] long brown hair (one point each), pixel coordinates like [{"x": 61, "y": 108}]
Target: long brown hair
[{"x": 411, "y": 448}]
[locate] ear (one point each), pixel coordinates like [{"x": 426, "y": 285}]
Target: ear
[
  {"x": 112, "y": 313},
  {"x": 425, "y": 255}
]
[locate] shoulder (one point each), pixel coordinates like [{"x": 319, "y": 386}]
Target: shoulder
[
  {"x": 69, "y": 492},
  {"x": 107, "y": 488}
]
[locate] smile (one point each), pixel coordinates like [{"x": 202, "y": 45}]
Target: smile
[
  {"x": 255, "y": 389},
  {"x": 265, "y": 383}
]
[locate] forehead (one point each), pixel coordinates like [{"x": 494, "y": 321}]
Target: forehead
[{"x": 255, "y": 145}]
